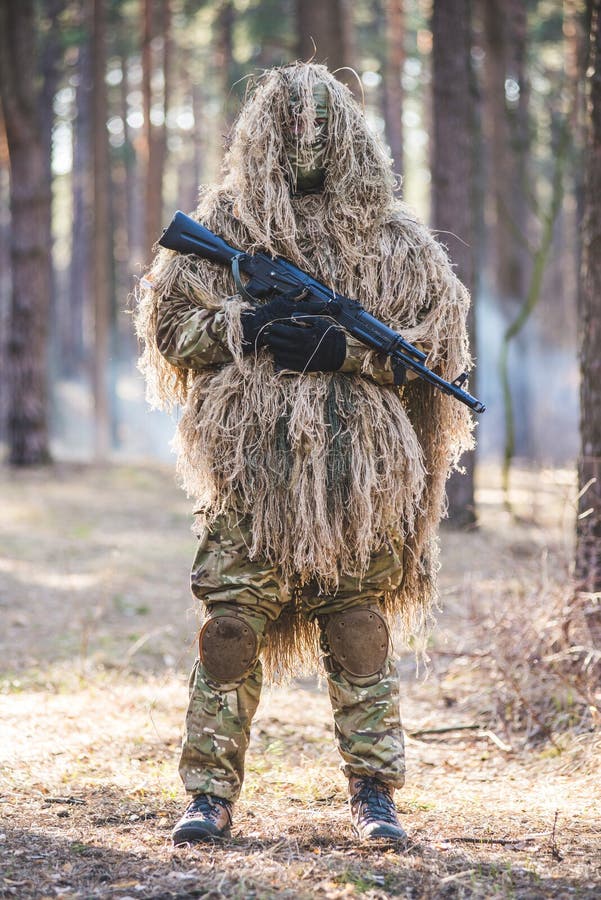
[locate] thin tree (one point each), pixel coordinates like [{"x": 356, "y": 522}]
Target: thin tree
[
  {"x": 30, "y": 198},
  {"x": 156, "y": 58},
  {"x": 507, "y": 89},
  {"x": 588, "y": 529},
  {"x": 453, "y": 181},
  {"x": 393, "y": 73},
  {"x": 100, "y": 240},
  {"x": 224, "y": 64},
  {"x": 128, "y": 149},
  {"x": 505, "y": 110},
  {"x": 190, "y": 163},
  {"x": 199, "y": 143},
  {"x": 50, "y": 66},
  {"x": 80, "y": 281},
  {"x": 4, "y": 270}
]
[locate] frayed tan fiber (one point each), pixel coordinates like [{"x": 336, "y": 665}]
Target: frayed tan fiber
[{"x": 327, "y": 465}]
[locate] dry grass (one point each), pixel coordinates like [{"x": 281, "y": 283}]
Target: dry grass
[
  {"x": 523, "y": 662},
  {"x": 96, "y": 637}
]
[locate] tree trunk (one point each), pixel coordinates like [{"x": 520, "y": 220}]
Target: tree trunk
[
  {"x": 190, "y": 164},
  {"x": 224, "y": 64},
  {"x": 200, "y": 146},
  {"x": 508, "y": 140},
  {"x": 50, "y": 72},
  {"x": 512, "y": 207},
  {"x": 393, "y": 89},
  {"x": 147, "y": 66},
  {"x": 101, "y": 237},
  {"x": 30, "y": 197},
  {"x": 588, "y": 528},
  {"x": 129, "y": 157},
  {"x": 326, "y": 35},
  {"x": 156, "y": 48},
  {"x": 5, "y": 274},
  {"x": 453, "y": 181},
  {"x": 577, "y": 53},
  {"x": 80, "y": 282}
]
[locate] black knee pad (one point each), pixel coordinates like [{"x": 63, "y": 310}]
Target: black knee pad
[
  {"x": 358, "y": 641},
  {"x": 228, "y": 647}
]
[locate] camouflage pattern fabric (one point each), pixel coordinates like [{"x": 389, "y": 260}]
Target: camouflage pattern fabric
[
  {"x": 191, "y": 336},
  {"x": 217, "y": 733},
  {"x": 377, "y": 366},
  {"x": 367, "y": 721},
  {"x": 367, "y": 725}
]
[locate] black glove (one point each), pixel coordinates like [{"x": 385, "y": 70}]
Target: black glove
[
  {"x": 314, "y": 345},
  {"x": 282, "y": 308}
]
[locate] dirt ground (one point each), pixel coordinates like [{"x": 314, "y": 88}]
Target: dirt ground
[{"x": 96, "y": 637}]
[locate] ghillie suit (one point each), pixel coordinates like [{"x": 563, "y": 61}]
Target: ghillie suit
[{"x": 325, "y": 467}]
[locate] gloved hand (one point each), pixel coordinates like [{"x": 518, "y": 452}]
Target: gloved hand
[
  {"x": 314, "y": 345},
  {"x": 280, "y": 309}
]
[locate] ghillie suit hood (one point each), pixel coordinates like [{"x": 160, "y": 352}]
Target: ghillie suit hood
[{"x": 326, "y": 465}]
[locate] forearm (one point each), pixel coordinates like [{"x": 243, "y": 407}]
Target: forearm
[
  {"x": 192, "y": 337},
  {"x": 360, "y": 360}
]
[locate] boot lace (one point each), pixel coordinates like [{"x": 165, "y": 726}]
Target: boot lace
[
  {"x": 209, "y": 807},
  {"x": 373, "y": 802}
]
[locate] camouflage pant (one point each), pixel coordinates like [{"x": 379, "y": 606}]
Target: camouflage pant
[{"x": 366, "y": 710}]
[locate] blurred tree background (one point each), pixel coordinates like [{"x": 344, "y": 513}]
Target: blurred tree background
[{"x": 113, "y": 113}]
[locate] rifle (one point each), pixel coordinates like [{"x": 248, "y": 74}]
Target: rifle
[{"x": 276, "y": 275}]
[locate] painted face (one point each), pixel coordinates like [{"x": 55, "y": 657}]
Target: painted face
[{"x": 307, "y": 161}]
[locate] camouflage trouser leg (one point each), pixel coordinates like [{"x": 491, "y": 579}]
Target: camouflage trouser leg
[
  {"x": 368, "y": 725},
  {"x": 217, "y": 732},
  {"x": 219, "y": 716},
  {"x": 366, "y": 711},
  {"x": 367, "y": 719}
]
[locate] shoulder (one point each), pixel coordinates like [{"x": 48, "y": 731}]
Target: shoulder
[{"x": 407, "y": 232}]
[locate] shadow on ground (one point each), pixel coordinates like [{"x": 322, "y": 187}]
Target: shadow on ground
[{"x": 107, "y": 846}]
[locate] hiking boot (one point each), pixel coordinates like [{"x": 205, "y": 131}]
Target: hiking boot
[
  {"x": 372, "y": 810},
  {"x": 205, "y": 818}
]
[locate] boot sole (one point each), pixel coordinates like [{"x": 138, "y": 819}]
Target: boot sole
[
  {"x": 383, "y": 833},
  {"x": 195, "y": 834}
]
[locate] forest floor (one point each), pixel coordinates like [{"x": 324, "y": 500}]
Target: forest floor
[{"x": 96, "y": 635}]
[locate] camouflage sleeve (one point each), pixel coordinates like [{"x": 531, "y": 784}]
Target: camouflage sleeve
[
  {"x": 360, "y": 360},
  {"x": 190, "y": 336}
]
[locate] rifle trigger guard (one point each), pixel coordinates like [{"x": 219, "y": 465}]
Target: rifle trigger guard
[{"x": 238, "y": 281}]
